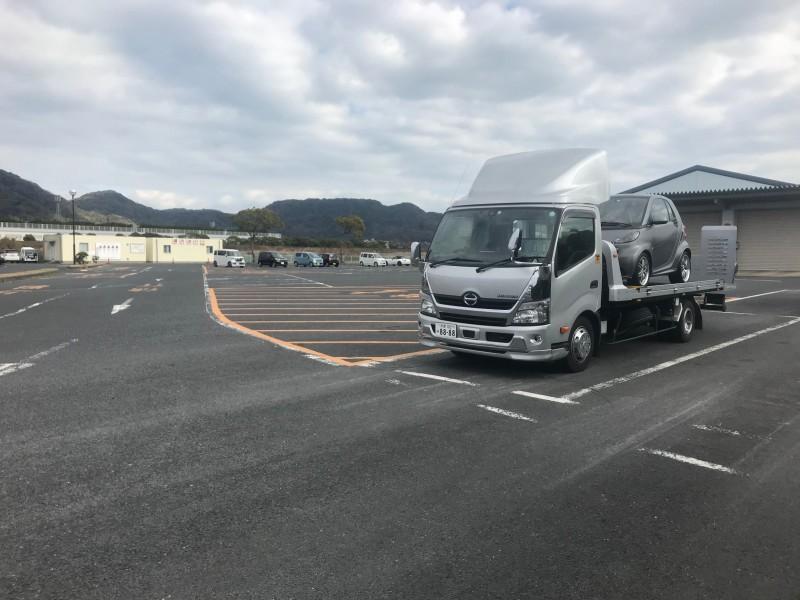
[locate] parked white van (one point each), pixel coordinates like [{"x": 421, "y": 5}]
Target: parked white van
[
  {"x": 371, "y": 259},
  {"x": 228, "y": 258}
]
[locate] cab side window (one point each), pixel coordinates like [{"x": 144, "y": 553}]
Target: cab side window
[{"x": 575, "y": 242}]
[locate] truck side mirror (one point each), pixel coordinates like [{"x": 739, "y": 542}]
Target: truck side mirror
[{"x": 416, "y": 251}]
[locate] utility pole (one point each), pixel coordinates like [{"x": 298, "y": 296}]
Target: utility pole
[{"x": 74, "y": 259}]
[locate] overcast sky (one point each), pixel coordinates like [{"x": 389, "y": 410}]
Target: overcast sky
[{"x": 230, "y": 104}]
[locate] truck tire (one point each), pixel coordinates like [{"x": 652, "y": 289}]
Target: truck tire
[
  {"x": 580, "y": 345},
  {"x": 685, "y": 325}
]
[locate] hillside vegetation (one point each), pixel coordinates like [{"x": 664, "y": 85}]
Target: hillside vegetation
[{"x": 23, "y": 200}]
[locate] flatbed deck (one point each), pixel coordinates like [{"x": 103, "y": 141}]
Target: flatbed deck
[{"x": 623, "y": 293}]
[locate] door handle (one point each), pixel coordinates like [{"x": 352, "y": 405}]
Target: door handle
[{"x": 593, "y": 285}]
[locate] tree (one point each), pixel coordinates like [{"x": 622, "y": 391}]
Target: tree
[
  {"x": 28, "y": 237},
  {"x": 353, "y": 224},
  {"x": 254, "y": 221}
]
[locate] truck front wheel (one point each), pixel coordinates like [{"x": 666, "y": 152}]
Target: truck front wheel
[{"x": 580, "y": 345}]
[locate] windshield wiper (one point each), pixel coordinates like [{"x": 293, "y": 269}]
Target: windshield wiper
[
  {"x": 520, "y": 261},
  {"x": 614, "y": 224},
  {"x": 433, "y": 265}
]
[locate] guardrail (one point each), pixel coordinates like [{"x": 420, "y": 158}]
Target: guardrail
[{"x": 45, "y": 228}]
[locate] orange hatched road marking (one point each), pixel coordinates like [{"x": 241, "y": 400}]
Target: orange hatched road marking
[
  {"x": 212, "y": 298},
  {"x": 302, "y": 346}
]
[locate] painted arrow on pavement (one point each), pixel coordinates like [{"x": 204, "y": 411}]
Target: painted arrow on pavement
[{"x": 120, "y": 307}]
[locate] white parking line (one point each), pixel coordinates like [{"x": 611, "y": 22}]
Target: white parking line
[
  {"x": 507, "y": 413},
  {"x": 438, "y": 378},
  {"x": 8, "y": 368},
  {"x": 755, "y": 296},
  {"x": 716, "y": 429},
  {"x": 677, "y": 361},
  {"x": 544, "y": 397},
  {"x": 30, "y": 306},
  {"x": 689, "y": 460},
  {"x": 308, "y": 280}
]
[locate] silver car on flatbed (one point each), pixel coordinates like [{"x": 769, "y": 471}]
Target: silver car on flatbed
[{"x": 649, "y": 235}]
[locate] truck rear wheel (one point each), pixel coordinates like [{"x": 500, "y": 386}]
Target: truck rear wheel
[
  {"x": 685, "y": 325},
  {"x": 580, "y": 345}
]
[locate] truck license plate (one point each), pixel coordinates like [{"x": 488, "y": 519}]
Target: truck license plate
[{"x": 445, "y": 330}]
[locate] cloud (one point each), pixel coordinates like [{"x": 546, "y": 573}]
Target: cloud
[{"x": 233, "y": 103}]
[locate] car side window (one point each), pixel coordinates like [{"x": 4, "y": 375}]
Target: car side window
[
  {"x": 658, "y": 213},
  {"x": 575, "y": 242},
  {"x": 671, "y": 213}
]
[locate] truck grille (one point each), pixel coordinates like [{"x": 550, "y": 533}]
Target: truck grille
[
  {"x": 492, "y": 303},
  {"x": 473, "y": 319}
]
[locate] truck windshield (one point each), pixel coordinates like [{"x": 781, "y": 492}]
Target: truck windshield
[
  {"x": 476, "y": 236},
  {"x": 621, "y": 211}
]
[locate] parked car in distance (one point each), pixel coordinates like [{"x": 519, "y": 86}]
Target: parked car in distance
[
  {"x": 371, "y": 259},
  {"x": 228, "y": 258},
  {"x": 10, "y": 256},
  {"x": 329, "y": 260},
  {"x": 400, "y": 261},
  {"x": 307, "y": 259},
  {"x": 649, "y": 235},
  {"x": 272, "y": 259}
]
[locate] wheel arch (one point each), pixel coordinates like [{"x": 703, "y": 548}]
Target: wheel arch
[{"x": 594, "y": 319}]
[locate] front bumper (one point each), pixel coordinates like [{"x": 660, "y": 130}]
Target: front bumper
[{"x": 472, "y": 339}]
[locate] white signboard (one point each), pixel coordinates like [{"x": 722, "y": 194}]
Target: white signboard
[
  {"x": 107, "y": 251},
  {"x": 136, "y": 248}
]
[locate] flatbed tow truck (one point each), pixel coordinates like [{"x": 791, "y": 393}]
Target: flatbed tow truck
[{"x": 518, "y": 269}]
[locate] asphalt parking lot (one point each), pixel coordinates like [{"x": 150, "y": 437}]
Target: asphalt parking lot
[{"x": 170, "y": 432}]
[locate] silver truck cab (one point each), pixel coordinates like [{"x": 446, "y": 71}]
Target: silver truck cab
[{"x": 515, "y": 267}]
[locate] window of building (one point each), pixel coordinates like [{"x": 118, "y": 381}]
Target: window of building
[
  {"x": 167, "y": 249},
  {"x": 209, "y": 249},
  {"x": 83, "y": 247},
  {"x": 575, "y": 242}
]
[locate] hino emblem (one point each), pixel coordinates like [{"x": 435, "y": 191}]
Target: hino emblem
[{"x": 470, "y": 298}]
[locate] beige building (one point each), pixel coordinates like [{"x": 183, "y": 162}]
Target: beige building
[{"x": 107, "y": 248}]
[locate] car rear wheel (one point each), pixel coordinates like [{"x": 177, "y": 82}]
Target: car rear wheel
[
  {"x": 641, "y": 273},
  {"x": 580, "y": 345},
  {"x": 296, "y": 264},
  {"x": 229, "y": 264},
  {"x": 684, "y": 272},
  {"x": 215, "y": 264}
]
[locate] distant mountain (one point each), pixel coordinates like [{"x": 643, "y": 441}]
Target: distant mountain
[
  {"x": 22, "y": 200},
  {"x": 114, "y": 203},
  {"x": 316, "y": 218}
]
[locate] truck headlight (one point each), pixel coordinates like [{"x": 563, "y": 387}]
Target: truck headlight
[
  {"x": 426, "y": 307},
  {"x": 424, "y": 287},
  {"x": 532, "y": 313},
  {"x": 629, "y": 237}
]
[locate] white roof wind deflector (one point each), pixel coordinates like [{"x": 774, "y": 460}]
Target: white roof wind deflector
[{"x": 570, "y": 175}]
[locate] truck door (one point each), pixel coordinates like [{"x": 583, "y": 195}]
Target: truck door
[
  {"x": 577, "y": 270},
  {"x": 663, "y": 233}
]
